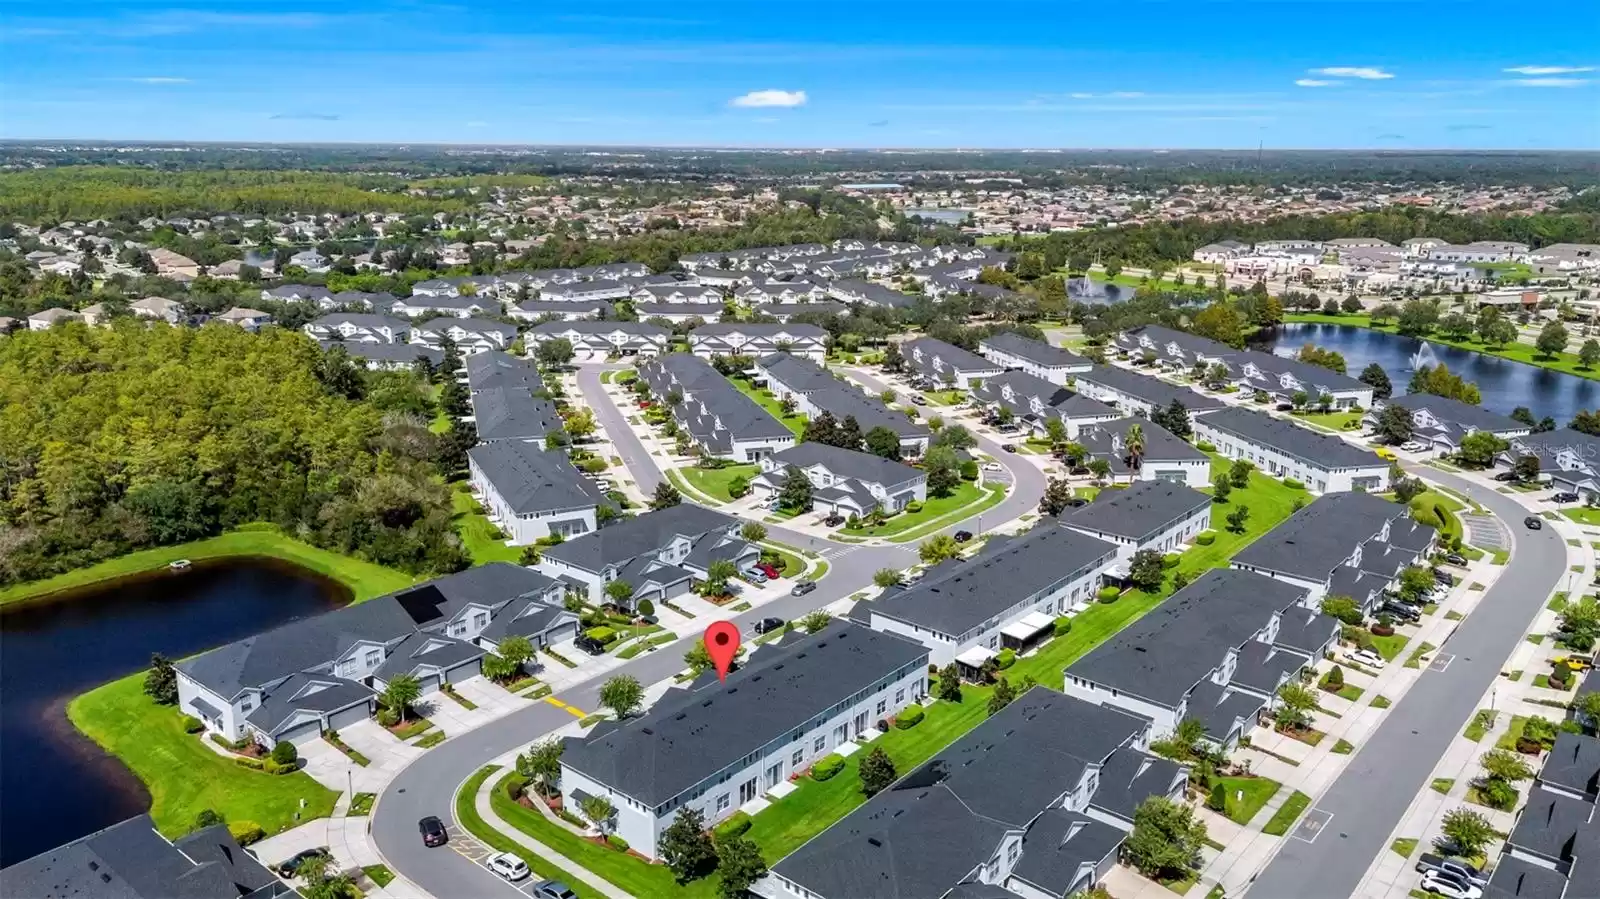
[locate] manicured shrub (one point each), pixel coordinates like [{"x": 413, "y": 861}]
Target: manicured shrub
[
  {"x": 272, "y": 767},
  {"x": 252, "y": 764},
  {"x": 1005, "y": 659},
  {"x": 910, "y": 717},
  {"x": 515, "y": 787},
  {"x": 828, "y": 768},
  {"x": 1108, "y": 594},
  {"x": 736, "y": 825},
  {"x": 285, "y": 753},
  {"x": 192, "y": 725},
  {"x": 1217, "y": 801},
  {"x": 388, "y": 717},
  {"x": 913, "y": 507},
  {"x": 603, "y": 633},
  {"x": 617, "y": 843},
  {"x": 1063, "y": 626},
  {"x": 246, "y": 832},
  {"x": 646, "y": 607},
  {"x": 1383, "y": 630},
  {"x": 1293, "y": 484},
  {"x": 1206, "y": 446},
  {"x": 969, "y": 470},
  {"x": 207, "y": 818},
  {"x": 1171, "y": 560},
  {"x": 1206, "y": 538},
  {"x": 593, "y": 466}
]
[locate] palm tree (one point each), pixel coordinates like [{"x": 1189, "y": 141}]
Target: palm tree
[
  {"x": 1134, "y": 441},
  {"x": 402, "y": 691},
  {"x": 718, "y": 574},
  {"x": 599, "y": 811}
]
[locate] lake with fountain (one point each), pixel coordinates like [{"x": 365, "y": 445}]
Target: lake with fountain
[{"x": 1503, "y": 383}]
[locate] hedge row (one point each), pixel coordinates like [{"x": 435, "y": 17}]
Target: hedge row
[
  {"x": 1206, "y": 538},
  {"x": 826, "y": 769},
  {"x": 910, "y": 717},
  {"x": 735, "y": 826}
]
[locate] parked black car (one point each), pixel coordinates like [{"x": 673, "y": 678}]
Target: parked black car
[
  {"x": 290, "y": 868},
  {"x": 590, "y": 645},
  {"x": 1443, "y": 577},
  {"x": 767, "y": 625},
  {"x": 1401, "y": 611},
  {"x": 432, "y": 830},
  {"x": 963, "y": 536},
  {"x": 1456, "y": 559},
  {"x": 1506, "y": 477},
  {"x": 834, "y": 520},
  {"x": 1564, "y": 497}
]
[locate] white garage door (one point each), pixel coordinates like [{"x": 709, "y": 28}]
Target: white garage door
[
  {"x": 563, "y": 632},
  {"x": 462, "y": 672},
  {"x": 301, "y": 734}
]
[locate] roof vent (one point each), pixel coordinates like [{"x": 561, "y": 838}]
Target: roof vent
[
  {"x": 681, "y": 716},
  {"x": 732, "y": 690},
  {"x": 875, "y": 842},
  {"x": 706, "y": 704},
  {"x": 105, "y": 877},
  {"x": 647, "y": 731}
]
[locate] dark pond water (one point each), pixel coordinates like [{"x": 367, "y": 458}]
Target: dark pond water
[
  {"x": 55, "y": 784},
  {"x": 1504, "y": 384}
]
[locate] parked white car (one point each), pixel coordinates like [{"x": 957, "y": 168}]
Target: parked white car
[
  {"x": 507, "y": 865},
  {"x": 993, "y": 466},
  {"x": 1449, "y": 886},
  {"x": 1364, "y": 657}
]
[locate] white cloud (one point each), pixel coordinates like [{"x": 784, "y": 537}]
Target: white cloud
[
  {"x": 1548, "y": 70},
  {"x": 1082, "y": 96},
  {"x": 1125, "y": 94},
  {"x": 157, "y": 79},
  {"x": 1313, "y": 82},
  {"x": 761, "y": 99},
  {"x": 1550, "y": 82},
  {"x": 1365, "y": 73}
]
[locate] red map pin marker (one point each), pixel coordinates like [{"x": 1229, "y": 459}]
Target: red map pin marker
[{"x": 722, "y": 642}]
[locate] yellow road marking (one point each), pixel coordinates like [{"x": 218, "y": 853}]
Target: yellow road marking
[{"x": 576, "y": 712}]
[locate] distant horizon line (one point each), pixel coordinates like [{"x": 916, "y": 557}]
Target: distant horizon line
[{"x": 778, "y": 148}]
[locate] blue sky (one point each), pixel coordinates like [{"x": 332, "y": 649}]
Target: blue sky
[{"x": 1048, "y": 73}]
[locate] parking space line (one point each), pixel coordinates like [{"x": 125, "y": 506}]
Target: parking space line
[
  {"x": 1315, "y": 822},
  {"x": 576, "y": 712}
]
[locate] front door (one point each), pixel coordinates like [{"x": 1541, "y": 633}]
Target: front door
[
  {"x": 841, "y": 733},
  {"x": 774, "y": 775},
  {"x": 861, "y": 724},
  {"x": 747, "y": 791}
]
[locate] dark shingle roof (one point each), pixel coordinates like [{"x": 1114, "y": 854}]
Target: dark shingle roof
[
  {"x": 847, "y": 463},
  {"x": 1573, "y": 764},
  {"x": 1059, "y": 844},
  {"x": 531, "y": 479},
  {"x": 1141, "y": 510},
  {"x": 131, "y": 860},
  {"x": 1108, "y": 440},
  {"x": 495, "y": 369},
  {"x": 1317, "y": 539},
  {"x": 317, "y": 694},
  {"x": 297, "y": 646},
  {"x": 1454, "y": 412},
  {"x": 386, "y": 353},
  {"x": 690, "y": 736},
  {"x": 948, "y": 356},
  {"x": 646, "y": 533},
  {"x": 1020, "y": 392},
  {"x": 1516, "y": 878},
  {"x": 1163, "y": 655},
  {"x": 977, "y": 590},
  {"x": 1323, "y": 450},
  {"x": 1033, "y": 350},
  {"x": 510, "y": 413},
  {"x": 491, "y": 585},
  {"x": 1147, "y": 389},
  {"x": 1550, "y": 824},
  {"x": 428, "y": 650}
]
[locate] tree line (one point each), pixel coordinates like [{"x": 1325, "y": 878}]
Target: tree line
[{"x": 117, "y": 439}]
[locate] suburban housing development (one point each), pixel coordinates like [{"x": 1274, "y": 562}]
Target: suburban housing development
[
  {"x": 659, "y": 555},
  {"x": 845, "y": 482}
]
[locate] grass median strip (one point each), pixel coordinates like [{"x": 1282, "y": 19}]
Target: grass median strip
[
  {"x": 1287, "y": 814},
  {"x": 467, "y": 815}
]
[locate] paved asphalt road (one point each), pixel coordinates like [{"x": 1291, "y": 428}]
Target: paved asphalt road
[
  {"x": 429, "y": 785},
  {"x": 1370, "y": 797}
]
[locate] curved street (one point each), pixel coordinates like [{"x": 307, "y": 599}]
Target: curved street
[
  {"x": 1371, "y": 795},
  {"x": 428, "y": 785}
]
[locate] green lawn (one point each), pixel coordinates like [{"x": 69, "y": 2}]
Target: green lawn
[
  {"x": 467, "y": 814},
  {"x": 1287, "y": 814},
  {"x": 364, "y": 579},
  {"x": 1381, "y": 702},
  {"x": 713, "y": 482},
  {"x": 1442, "y": 785},
  {"x": 1256, "y": 792},
  {"x": 1517, "y": 352},
  {"x": 1508, "y": 740},
  {"x": 1403, "y": 847},
  {"x": 1437, "y": 509},
  {"x": 477, "y": 533},
  {"x": 795, "y": 423},
  {"x": 1270, "y": 502},
  {"x": 779, "y": 830},
  {"x": 1479, "y": 725},
  {"x": 184, "y": 777},
  {"x": 993, "y": 495},
  {"x": 1583, "y": 515},
  {"x": 380, "y": 874},
  {"x": 934, "y": 508},
  {"x": 1333, "y": 421},
  {"x": 1391, "y": 646}
]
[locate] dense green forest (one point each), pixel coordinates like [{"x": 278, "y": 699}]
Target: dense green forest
[
  {"x": 89, "y": 192},
  {"x": 1144, "y": 245},
  {"x": 117, "y": 439}
]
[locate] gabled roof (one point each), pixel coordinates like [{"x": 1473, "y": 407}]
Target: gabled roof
[
  {"x": 647, "y": 533},
  {"x": 1108, "y": 440},
  {"x": 445, "y": 323},
  {"x": 1315, "y": 541},
  {"x": 1161, "y": 656},
  {"x": 691, "y": 735},
  {"x": 425, "y": 652},
  {"x": 1150, "y": 390},
  {"x": 1323, "y": 450},
  {"x": 531, "y": 479},
  {"x": 1573, "y": 764},
  {"x": 497, "y": 369},
  {"x": 501, "y": 413},
  {"x": 847, "y": 463},
  {"x": 1055, "y": 401},
  {"x": 949, "y": 357},
  {"x": 490, "y": 586},
  {"x": 1035, "y": 351},
  {"x": 975, "y": 590},
  {"x": 315, "y": 694},
  {"x": 1139, "y": 511},
  {"x": 1464, "y": 416},
  {"x": 131, "y": 860},
  {"x": 298, "y": 646}
]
